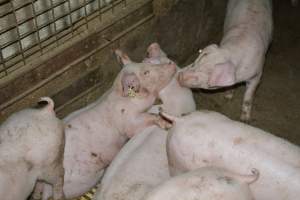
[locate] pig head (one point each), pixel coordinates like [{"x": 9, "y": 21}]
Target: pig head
[
  {"x": 175, "y": 98},
  {"x": 212, "y": 69},
  {"x": 145, "y": 78}
]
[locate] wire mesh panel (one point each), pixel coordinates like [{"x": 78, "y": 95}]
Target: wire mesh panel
[{"x": 33, "y": 27}]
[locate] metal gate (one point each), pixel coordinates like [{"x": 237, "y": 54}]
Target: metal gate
[
  {"x": 31, "y": 28},
  {"x": 42, "y": 39}
]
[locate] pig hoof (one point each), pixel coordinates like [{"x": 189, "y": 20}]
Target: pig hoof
[{"x": 164, "y": 124}]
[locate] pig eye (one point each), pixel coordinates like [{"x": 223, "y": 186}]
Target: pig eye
[{"x": 146, "y": 72}]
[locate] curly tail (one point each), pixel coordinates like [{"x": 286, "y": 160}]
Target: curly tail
[{"x": 45, "y": 103}]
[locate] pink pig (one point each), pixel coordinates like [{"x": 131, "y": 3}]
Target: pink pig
[
  {"x": 240, "y": 55},
  {"x": 96, "y": 133},
  {"x": 31, "y": 149},
  {"x": 205, "y": 138},
  {"x": 176, "y": 99},
  {"x": 142, "y": 162}
]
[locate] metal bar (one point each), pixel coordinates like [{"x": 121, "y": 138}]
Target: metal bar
[
  {"x": 113, "y": 6},
  {"x": 3, "y": 63},
  {"x": 47, "y": 38},
  {"x": 37, "y": 14},
  {"x": 85, "y": 14},
  {"x": 40, "y": 13},
  {"x": 50, "y": 36},
  {"x": 100, "y": 8},
  {"x": 18, "y": 32},
  {"x": 50, "y": 22},
  {"x": 16, "y": 8},
  {"x": 70, "y": 17},
  {"x": 54, "y": 22},
  {"x": 8, "y": 29},
  {"x": 30, "y": 54},
  {"x": 36, "y": 27}
]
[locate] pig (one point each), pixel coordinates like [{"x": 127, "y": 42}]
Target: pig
[
  {"x": 206, "y": 183},
  {"x": 31, "y": 150},
  {"x": 176, "y": 99},
  {"x": 206, "y": 138},
  {"x": 240, "y": 55},
  {"x": 139, "y": 166},
  {"x": 142, "y": 162},
  {"x": 96, "y": 133}
]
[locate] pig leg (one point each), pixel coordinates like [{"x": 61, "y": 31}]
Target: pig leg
[
  {"x": 248, "y": 98},
  {"x": 58, "y": 193},
  {"x": 55, "y": 177},
  {"x": 152, "y": 119},
  {"x": 47, "y": 191},
  {"x": 145, "y": 120},
  {"x": 38, "y": 191}
]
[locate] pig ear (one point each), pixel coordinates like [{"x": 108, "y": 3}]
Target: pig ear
[
  {"x": 223, "y": 74},
  {"x": 122, "y": 57}
]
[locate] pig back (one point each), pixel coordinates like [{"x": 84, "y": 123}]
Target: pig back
[{"x": 31, "y": 134}]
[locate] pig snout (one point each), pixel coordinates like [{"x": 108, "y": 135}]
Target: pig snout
[
  {"x": 185, "y": 79},
  {"x": 192, "y": 79}
]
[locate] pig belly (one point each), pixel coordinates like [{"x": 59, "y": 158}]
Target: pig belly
[
  {"x": 83, "y": 165},
  {"x": 81, "y": 178}
]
